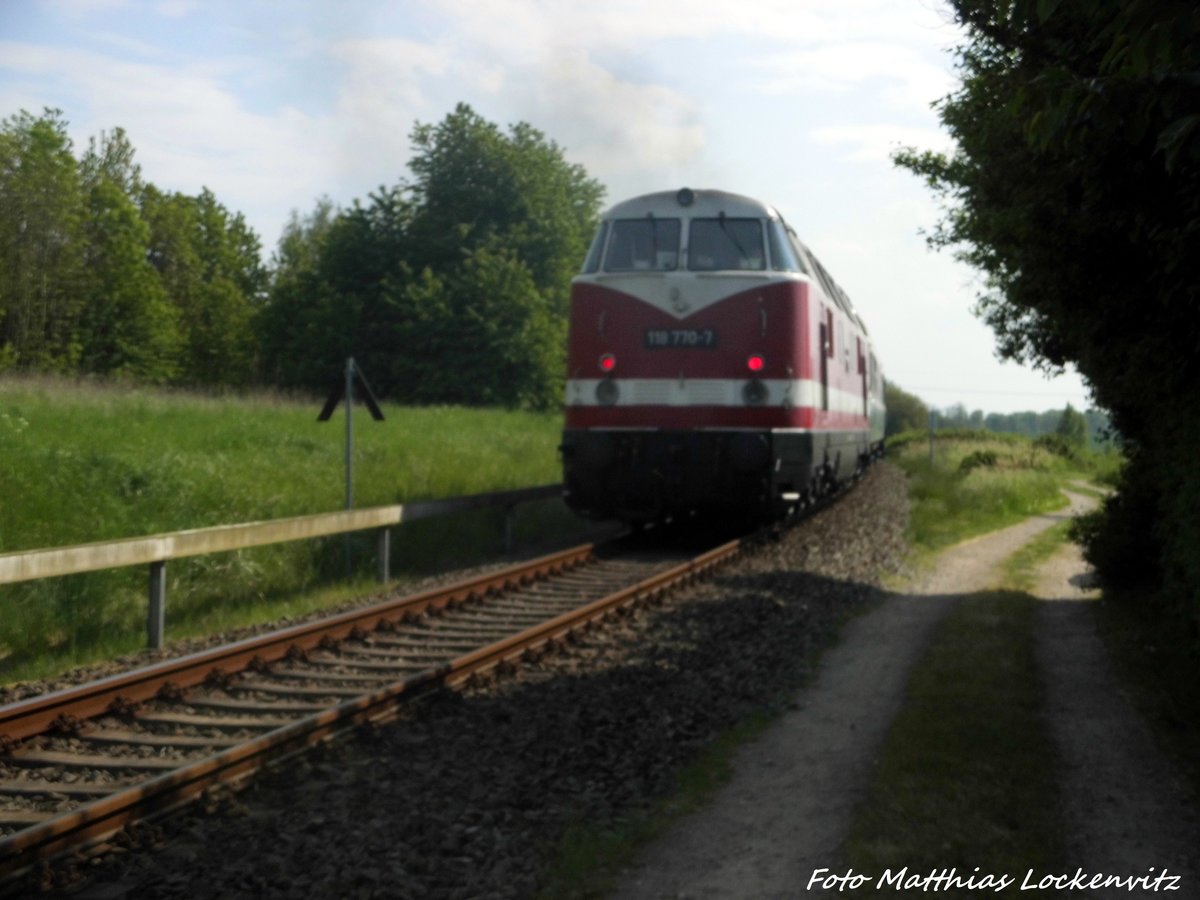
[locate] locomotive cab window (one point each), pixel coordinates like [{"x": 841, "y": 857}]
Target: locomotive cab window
[
  {"x": 725, "y": 243},
  {"x": 783, "y": 255},
  {"x": 592, "y": 263},
  {"x": 643, "y": 245}
]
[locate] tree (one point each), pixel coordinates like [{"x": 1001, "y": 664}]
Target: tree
[
  {"x": 905, "y": 411},
  {"x": 475, "y": 186},
  {"x": 1074, "y": 186},
  {"x": 449, "y": 288},
  {"x": 40, "y": 243},
  {"x": 1072, "y": 427},
  {"x": 1075, "y": 189},
  {"x": 284, "y": 323},
  {"x": 127, "y": 326},
  {"x": 208, "y": 262},
  {"x": 501, "y": 344},
  {"x": 110, "y": 158}
]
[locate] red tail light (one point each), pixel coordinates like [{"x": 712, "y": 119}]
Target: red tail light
[
  {"x": 755, "y": 363},
  {"x": 608, "y": 362}
]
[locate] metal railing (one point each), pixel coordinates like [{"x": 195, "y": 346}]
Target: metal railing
[{"x": 156, "y": 550}]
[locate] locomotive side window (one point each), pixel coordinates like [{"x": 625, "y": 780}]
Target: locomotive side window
[
  {"x": 832, "y": 291},
  {"x": 823, "y": 277},
  {"x": 643, "y": 244},
  {"x": 592, "y": 263},
  {"x": 801, "y": 252},
  {"x": 783, "y": 254},
  {"x": 724, "y": 243}
]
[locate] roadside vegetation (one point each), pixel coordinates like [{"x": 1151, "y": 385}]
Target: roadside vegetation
[
  {"x": 81, "y": 463},
  {"x": 970, "y": 482}
]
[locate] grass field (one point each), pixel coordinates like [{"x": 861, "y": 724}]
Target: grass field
[{"x": 82, "y": 463}]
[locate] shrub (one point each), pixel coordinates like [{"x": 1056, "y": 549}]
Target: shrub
[
  {"x": 1059, "y": 446},
  {"x": 978, "y": 459}
]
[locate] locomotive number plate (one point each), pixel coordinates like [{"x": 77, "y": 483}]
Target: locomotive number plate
[{"x": 675, "y": 338}]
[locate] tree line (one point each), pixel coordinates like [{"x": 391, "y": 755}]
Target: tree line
[
  {"x": 1080, "y": 428},
  {"x": 103, "y": 273},
  {"x": 449, "y": 287},
  {"x": 907, "y": 412},
  {"x": 1075, "y": 189}
]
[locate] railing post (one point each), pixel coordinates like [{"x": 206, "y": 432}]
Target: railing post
[
  {"x": 157, "y": 615},
  {"x": 510, "y": 521},
  {"x": 383, "y": 567}
]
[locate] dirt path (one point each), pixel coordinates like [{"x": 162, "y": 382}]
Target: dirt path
[
  {"x": 791, "y": 800},
  {"x": 1126, "y": 807}
]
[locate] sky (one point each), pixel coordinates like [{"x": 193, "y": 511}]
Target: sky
[{"x": 273, "y": 104}]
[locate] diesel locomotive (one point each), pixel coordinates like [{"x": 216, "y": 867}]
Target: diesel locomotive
[{"x": 714, "y": 367}]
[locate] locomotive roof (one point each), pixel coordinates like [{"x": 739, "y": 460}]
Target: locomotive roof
[{"x": 703, "y": 203}]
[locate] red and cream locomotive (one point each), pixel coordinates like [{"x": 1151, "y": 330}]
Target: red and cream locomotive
[{"x": 713, "y": 366}]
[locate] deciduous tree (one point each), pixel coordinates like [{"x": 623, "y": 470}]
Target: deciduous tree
[
  {"x": 905, "y": 411},
  {"x": 40, "y": 243},
  {"x": 450, "y": 287}
]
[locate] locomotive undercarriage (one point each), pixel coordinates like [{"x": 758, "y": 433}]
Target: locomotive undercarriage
[{"x": 644, "y": 476}]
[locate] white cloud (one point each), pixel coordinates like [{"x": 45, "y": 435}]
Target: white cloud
[
  {"x": 900, "y": 74},
  {"x": 521, "y": 26},
  {"x": 385, "y": 89},
  {"x": 386, "y": 72},
  {"x": 73, "y": 9},
  {"x": 177, "y": 9},
  {"x": 617, "y": 81},
  {"x": 877, "y": 143},
  {"x": 609, "y": 125}
]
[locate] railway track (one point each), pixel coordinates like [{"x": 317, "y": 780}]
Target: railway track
[{"x": 79, "y": 764}]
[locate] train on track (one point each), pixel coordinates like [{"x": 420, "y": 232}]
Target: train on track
[{"x": 714, "y": 367}]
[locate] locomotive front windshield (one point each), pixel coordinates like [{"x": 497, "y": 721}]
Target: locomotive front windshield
[
  {"x": 643, "y": 244},
  {"x": 716, "y": 244},
  {"x": 724, "y": 244}
]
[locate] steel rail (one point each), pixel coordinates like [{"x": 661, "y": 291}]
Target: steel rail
[
  {"x": 103, "y": 817},
  {"x": 27, "y": 718}
]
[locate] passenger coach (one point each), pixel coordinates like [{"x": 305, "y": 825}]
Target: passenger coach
[{"x": 713, "y": 366}]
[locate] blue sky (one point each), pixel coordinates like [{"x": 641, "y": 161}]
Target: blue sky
[{"x": 273, "y": 104}]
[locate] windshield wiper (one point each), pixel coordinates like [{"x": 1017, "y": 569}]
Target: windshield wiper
[{"x": 733, "y": 238}]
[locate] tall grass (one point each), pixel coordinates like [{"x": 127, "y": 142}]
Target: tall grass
[
  {"x": 977, "y": 483},
  {"x": 82, "y": 463}
]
